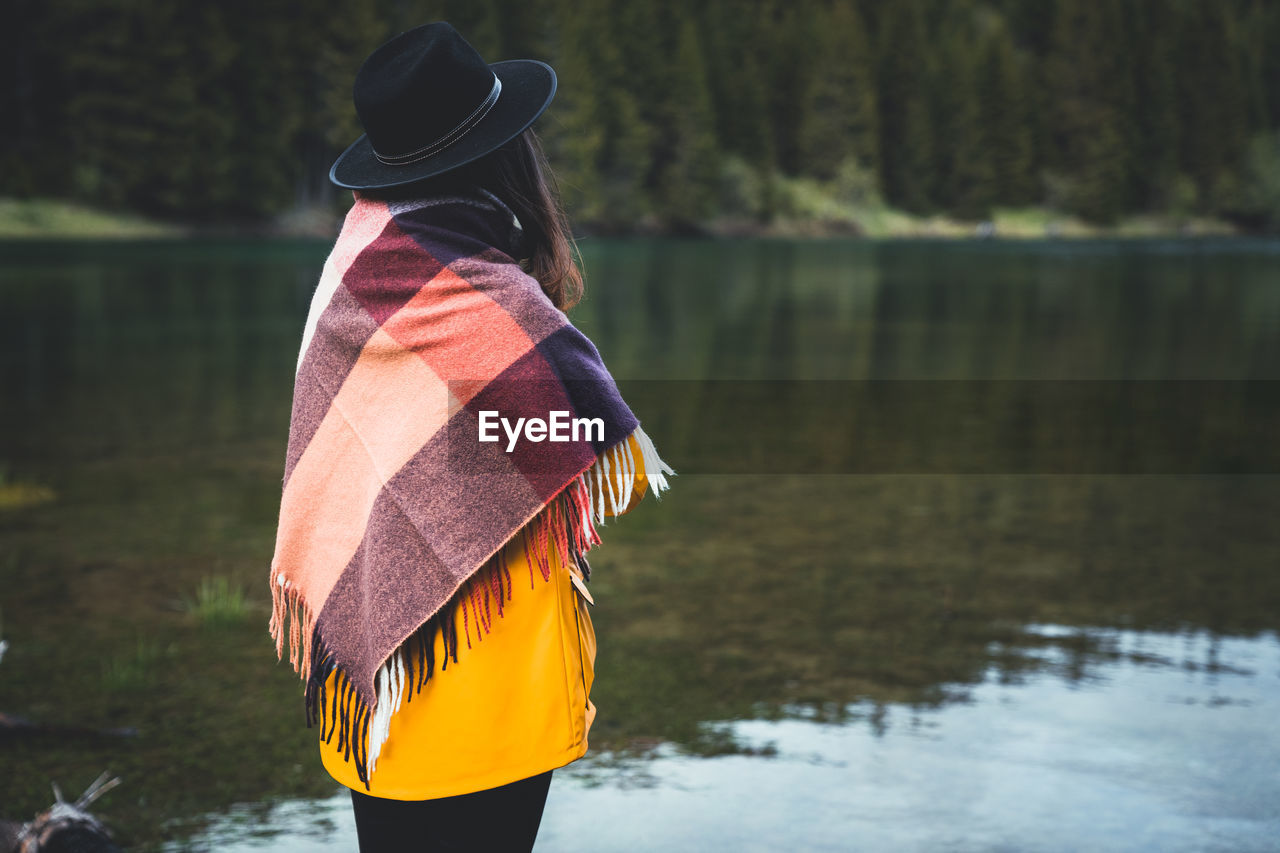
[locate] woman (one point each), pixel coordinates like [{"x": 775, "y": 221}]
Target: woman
[{"x": 446, "y": 691}]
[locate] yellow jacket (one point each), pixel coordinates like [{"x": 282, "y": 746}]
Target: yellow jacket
[{"x": 517, "y": 702}]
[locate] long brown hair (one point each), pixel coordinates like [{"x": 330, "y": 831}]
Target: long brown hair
[{"x": 518, "y": 174}]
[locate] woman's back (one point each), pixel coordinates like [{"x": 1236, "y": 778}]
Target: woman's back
[{"x": 437, "y": 679}]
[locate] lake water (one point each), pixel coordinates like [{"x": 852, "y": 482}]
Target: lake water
[{"x": 973, "y": 546}]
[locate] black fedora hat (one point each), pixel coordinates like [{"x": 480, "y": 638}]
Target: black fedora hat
[{"x": 429, "y": 103}]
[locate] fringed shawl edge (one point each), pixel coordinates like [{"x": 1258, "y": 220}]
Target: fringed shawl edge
[{"x": 567, "y": 523}]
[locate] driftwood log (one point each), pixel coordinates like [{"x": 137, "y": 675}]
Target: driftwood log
[{"x": 64, "y": 827}]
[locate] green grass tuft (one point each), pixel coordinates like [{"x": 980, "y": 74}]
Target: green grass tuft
[{"x": 218, "y": 601}]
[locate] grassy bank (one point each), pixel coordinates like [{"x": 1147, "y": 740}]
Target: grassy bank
[
  {"x": 851, "y": 205},
  {"x": 806, "y": 211},
  {"x": 1028, "y": 223},
  {"x": 49, "y": 218}
]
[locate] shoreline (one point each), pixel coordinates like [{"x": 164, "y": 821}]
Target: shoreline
[{"x": 52, "y": 219}]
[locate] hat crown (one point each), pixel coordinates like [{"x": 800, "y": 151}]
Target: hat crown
[{"x": 419, "y": 88}]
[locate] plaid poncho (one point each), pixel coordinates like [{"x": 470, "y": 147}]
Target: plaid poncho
[{"x": 394, "y": 512}]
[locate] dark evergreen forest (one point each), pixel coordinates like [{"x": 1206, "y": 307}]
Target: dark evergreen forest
[{"x": 672, "y": 113}]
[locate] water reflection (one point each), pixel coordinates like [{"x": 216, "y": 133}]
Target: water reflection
[
  {"x": 1107, "y": 749},
  {"x": 985, "y": 659},
  {"x": 935, "y": 310}
]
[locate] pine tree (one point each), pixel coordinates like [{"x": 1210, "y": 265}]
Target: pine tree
[
  {"x": 1268, "y": 33},
  {"x": 258, "y": 78},
  {"x": 906, "y": 127},
  {"x": 740, "y": 95},
  {"x": 625, "y": 156},
  {"x": 839, "y": 120},
  {"x": 572, "y": 129},
  {"x": 738, "y": 81},
  {"x": 787, "y": 48},
  {"x": 479, "y": 21},
  {"x": 1004, "y": 95},
  {"x": 687, "y": 182},
  {"x": 346, "y": 32},
  {"x": 1086, "y": 131},
  {"x": 35, "y": 151},
  {"x": 1214, "y": 100},
  {"x": 596, "y": 140},
  {"x": 1154, "y": 162},
  {"x": 237, "y": 109},
  {"x": 963, "y": 160}
]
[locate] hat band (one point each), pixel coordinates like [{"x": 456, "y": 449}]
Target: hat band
[{"x": 450, "y": 137}]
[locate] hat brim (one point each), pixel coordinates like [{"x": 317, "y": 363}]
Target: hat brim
[{"x": 527, "y": 89}]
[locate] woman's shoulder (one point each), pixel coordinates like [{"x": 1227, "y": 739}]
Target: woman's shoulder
[{"x": 460, "y": 224}]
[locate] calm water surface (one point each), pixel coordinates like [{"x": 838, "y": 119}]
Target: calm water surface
[{"x": 974, "y": 547}]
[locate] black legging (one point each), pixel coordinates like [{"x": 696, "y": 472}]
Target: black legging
[{"x": 499, "y": 819}]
